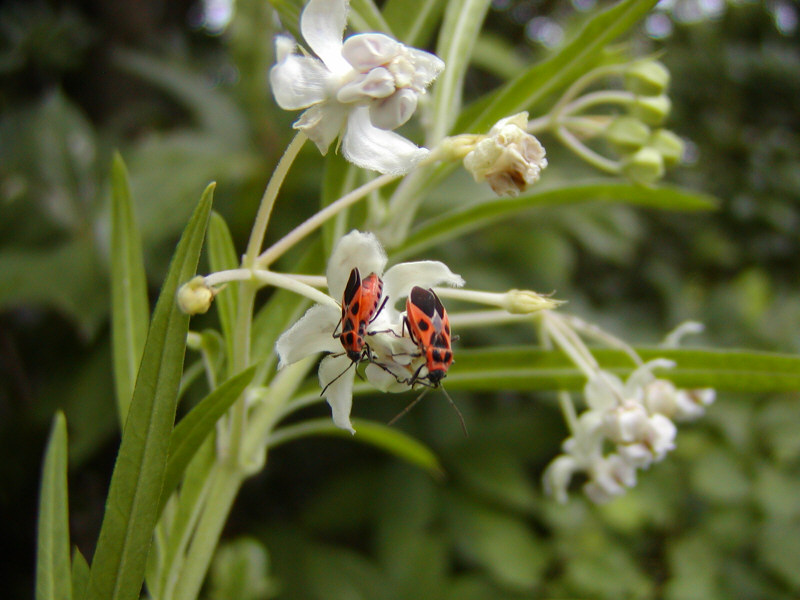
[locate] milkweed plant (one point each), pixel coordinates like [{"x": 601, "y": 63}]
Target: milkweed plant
[{"x": 354, "y": 318}]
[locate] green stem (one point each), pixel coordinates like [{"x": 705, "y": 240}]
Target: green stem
[
  {"x": 269, "y": 197},
  {"x": 225, "y": 487},
  {"x": 593, "y": 158},
  {"x": 241, "y": 360},
  {"x": 275, "y": 251},
  {"x": 576, "y": 353},
  {"x": 293, "y": 283},
  {"x": 188, "y": 512},
  {"x": 598, "y": 98},
  {"x": 403, "y": 207},
  {"x": 582, "y": 83}
]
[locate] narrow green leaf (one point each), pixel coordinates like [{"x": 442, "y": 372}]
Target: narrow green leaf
[
  {"x": 132, "y": 507},
  {"x": 463, "y": 20},
  {"x": 53, "y": 572},
  {"x": 80, "y": 575},
  {"x": 466, "y": 219},
  {"x": 413, "y": 21},
  {"x": 381, "y": 436},
  {"x": 525, "y": 368},
  {"x": 365, "y": 16},
  {"x": 190, "y": 433},
  {"x": 222, "y": 256},
  {"x": 130, "y": 312},
  {"x": 559, "y": 70}
]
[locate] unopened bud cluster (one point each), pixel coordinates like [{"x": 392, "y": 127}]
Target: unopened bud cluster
[
  {"x": 641, "y": 148},
  {"x": 645, "y": 148}
]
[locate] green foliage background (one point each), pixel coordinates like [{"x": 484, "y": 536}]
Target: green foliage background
[{"x": 719, "y": 519}]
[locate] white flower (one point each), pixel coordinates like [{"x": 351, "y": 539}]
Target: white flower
[
  {"x": 609, "y": 477},
  {"x": 313, "y": 333},
  {"x": 617, "y": 414},
  {"x": 509, "y": 157},
  {"x": 366, "y": 86},
  {"x": 663, "y": 397},
  {"x": 626, "y": 423},
  {"x": 690, "y": 404},
  {"x": 660, "y": 436}
]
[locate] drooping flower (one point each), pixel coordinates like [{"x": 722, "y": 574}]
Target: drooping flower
[
  {"x": 619, "y": 415},
  {"x": 509, "y": 157},
  {"x": 313, "y": 333},
  {"x": 362, "y": 87}
]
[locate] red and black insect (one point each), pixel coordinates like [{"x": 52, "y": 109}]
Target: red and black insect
[
  {"x": 361, "y": 304},
  {"x": 429, "y": 328}
]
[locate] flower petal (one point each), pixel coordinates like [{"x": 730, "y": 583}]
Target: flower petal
[
  {"x": 322, "y": 123},
  {"x": 427, "y": 67},
  {"x": 359, "y": 249},
  {"x": 336, "y": 375},
  {"x": 557, "y": 476},
  {"x": 366, "y": 51},
  {"x": 385, "y": 381},
  {"x": 398, "y": 281},
  {"x": 369, "y": 147},
  {"x": 311, "y": 334},
  {"x": 322, "y": 24},
  {"x": 394, "y": 111},
  {"x": 603, "y": 391},
  {"x": 298, "y": 81},
  {"x": 378, "y": 83}
]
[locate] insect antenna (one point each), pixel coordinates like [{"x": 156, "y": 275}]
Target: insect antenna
[
  {"x": 322, "y": 393},
  {"x": 403, "y": 412},
  {"x": 458, "y": 412}
]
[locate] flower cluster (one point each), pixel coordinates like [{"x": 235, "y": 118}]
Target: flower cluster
[
  {"x": 366, "y": 86},
  {"x": 635, "y": 418},
  {"x": 393, "y": 357}
]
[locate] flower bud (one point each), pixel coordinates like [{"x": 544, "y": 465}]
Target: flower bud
[
  {"x": 557, "y": 476},
  {"x": 626, "y": 424},
  {"x": 690, "y": 404},
  {"x": 509, "y": 158},
  {"x": 627, "y": 134},
  {"x": 653, "y": 110},
  {"x": 195, "y": 297},
  {"x": 523, "y": 302},
  {"x": 660, "y": 397},
  {"x": 609, "y": 478},
  {"x": 660, "y": 436},
  {"x": 644, "y": 166},
  {"x": 647, "y": 77},
  {"x": 669, "y": 145}
]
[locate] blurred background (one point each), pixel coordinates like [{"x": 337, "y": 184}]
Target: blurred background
[{"x": 180, "y": 89}]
